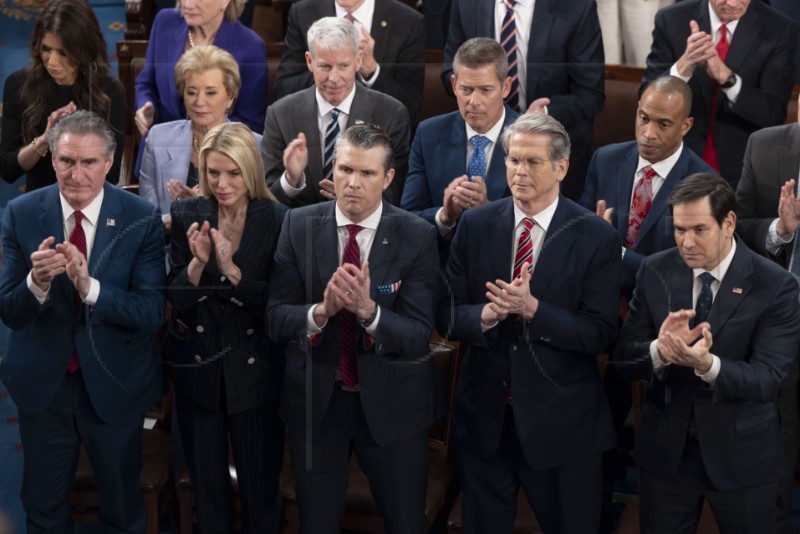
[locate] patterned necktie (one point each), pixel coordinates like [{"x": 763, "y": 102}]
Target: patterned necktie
[
  {"x": 508, "y": 39},
  {"x": 78, "y": 238},
  {"x": 640, "y": 205},
  {"x": 477, "y": 162},
  {"x": 348, "y": 371},
  {"x": 331, "y": 135},
  {"x": 710, "y": 151},
  {"x": 705, "y": 299},
  {"x": 524, "y": 247}
]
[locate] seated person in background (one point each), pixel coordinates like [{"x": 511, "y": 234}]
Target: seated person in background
[
  {"x": 456, "y": 159},
  {"x": 69, "y": 70},
  {"x": 207, "y": 77},
  {"x": 713, "y": 328},
  {"x": 301, "y": 129},
  {"x": 392, "y": 43},
  {"x": 738, "y": 58},
  {"x": 768, "y": 209},
  {"x": 194, "y": 23},
  {"x": 629, "y": 183}
]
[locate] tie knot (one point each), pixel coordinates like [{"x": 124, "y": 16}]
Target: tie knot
[
  {"x": 78, "y": 216},
  {"x": 479, "y": 142},
  {"x": 354, "y": 229},
  {"x": 706, "y": 279},
  {"x": 648, "y": 173},
  {"x": 723, "y": 31},
  {"x": 335, "y": 114},
  {"x": 350, "y": 17},
  {"x": 510, "y": 3},
  {"x": 529, "y": 223}
]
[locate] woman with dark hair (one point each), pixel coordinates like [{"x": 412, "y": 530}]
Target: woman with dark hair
[{"x": 69, "y": 70}]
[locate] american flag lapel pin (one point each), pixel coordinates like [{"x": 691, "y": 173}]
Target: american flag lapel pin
[
  {"x": 737, "y": 290},
  {"x": 111, "y": 223}
]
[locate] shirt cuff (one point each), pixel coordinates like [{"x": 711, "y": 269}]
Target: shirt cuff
[
  {"x": 371, "y": 81},
  {"x": 774, "y": 240},
  {"x": 374, "y": 326},
  {"x": 733, "y": 92},
  {"x": 673, "y": 71},
  {"x": 290, "y": 191},
  {"x": 711, "y": 375},
  {"x": 486, "y": 328},
  {"x": 311, "y": 327},
  {"x": 443, "y": 228},
  {"x": 41, "y": 296},
  {"x": 659, "y": 365},
  {"x": 94, "y": 292}
]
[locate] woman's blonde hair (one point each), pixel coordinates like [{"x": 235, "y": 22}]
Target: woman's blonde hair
[
  {"x": 236, "y": 141},
  {"x": 207, "y": 57}
]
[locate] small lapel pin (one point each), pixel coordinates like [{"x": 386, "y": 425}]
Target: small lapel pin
[
  {"x": 359, "y": 121},
  {"x": 384, "y": 24},
  {"x": 737, "y": 290},
  {"x": 385, "y": 241},
  {"x": 111, "y": 223}
]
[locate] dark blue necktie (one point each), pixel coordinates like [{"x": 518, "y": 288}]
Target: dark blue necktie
[
  {"x": 331, "y": 135},
  {"x": 508, "y": 39},
  {"x": 477, "y": 162},
  {"x": 705, "y": 299}
]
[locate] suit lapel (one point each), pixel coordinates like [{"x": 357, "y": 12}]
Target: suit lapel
[
  {"x": 109, "y": 224},
  {"x": 741, "y": 42},
  {"x": 556, "y": 251},
  {"x": 501, "y": 239},
  {"x": 625, "y": 174},
  {"x": 325, "y": 242},
  {"x": 660, "y": 202},
  {"x": 306, "y": 121},
  {"x": 51, "y": 221},
  {"x": 381, "y": 30},
  {"x": 678, "y": 289},
  {"x": 453, "y": 152},
  {"x": 733, "y": 289},
  {"x": 496, "y": 181},
  {"x": 384, "y": 249},
  {"x": 541, "y": 27},
  {"x": 176, "y": 167},
  {"x": 484, "y": 19},
  {"x": 789, "y": 157},
  {"x": 704, "y": 22}
]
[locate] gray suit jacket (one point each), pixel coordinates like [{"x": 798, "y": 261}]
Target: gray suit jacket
[
  {"x": 771, "y": 158},
  {"x": 298, "y": 113}
]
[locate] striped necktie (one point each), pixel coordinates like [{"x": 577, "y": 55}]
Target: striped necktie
[
  {"x": 508, "y": 39},
  {"x": 524, "y": 247},
  {"x": 331, "y": 135}
]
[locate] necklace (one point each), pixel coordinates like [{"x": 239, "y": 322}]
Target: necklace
[
  {"x": 195, "y": 145},
  {"x": 191, "y": 41}
]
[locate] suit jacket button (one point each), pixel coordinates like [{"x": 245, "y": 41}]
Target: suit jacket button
[
  {"x": 251, "y": 360},
  {"x": 200, "y": 329},
  {"x": 197, "y": 358},
  {"x": 250, "y": 331}
]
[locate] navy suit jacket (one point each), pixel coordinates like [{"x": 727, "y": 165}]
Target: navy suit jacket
[
  {"x": 560, "y": 407},
  {"x": 565, "y": 64},
  {"x": 610, "y": 178},
  {"x": 298, "y": 113},
  {"x": 755, "y": 324},
  {"x": 115, "y": 339},
  {"x": 772, "y": 157},
  {"x": 399, "y": 34},
  {"x": 761, "y": 53},
  {"x": 439, "y": 155},
  {"x": 401, "y": 391},
  {"x": 156, "y": 82}
]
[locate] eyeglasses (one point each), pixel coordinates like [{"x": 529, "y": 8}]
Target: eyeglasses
[{"x": 532, "y": 164}]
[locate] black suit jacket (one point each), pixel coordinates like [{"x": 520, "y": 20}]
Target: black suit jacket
[
  {"x": 761, "y": 53},
  {"x": 565, "y": 64},
  {"x": 298, "y": 113},
  {"x": 772, "y": 157},
  {"x": 399, "y": 34},
  {"x": 550, "y": 362},
  {"x": 401, "y": 391},
  {"x": 218, "y": 334},
  {"x": 755, "y": 324}
]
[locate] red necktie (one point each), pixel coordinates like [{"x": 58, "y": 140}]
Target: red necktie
[
  {"x": 77, "y": 238},
  {"x": 642, "y": 199},
  {"x": 348, "y": 371},
  {"x": 350, "y": 17},
  {"x": 524, "y": 247},
  {"x": 710, "y": 151}
]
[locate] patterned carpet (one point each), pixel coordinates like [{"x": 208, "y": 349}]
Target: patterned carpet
[{"x": 16, "y": 22}]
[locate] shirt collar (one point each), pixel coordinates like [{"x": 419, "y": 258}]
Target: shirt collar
[
  {"x": 716, "y": 23},
  {"x": 493, "y": 133},
  {"x": 543, "y": 218},
  {"x": 719, "y": 271},
  {"x": 90, "y": 212},
  {"x": 370, "y": 222},
  {"x": 663, "y": 167},
  {"x": 363, "y": 15},
  {"x": 325, "y": 107}
]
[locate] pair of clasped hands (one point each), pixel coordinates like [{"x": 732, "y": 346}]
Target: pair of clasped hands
[
  {"x": 347, "y": 289},
  {"x": 510, "y": 298},
  {"x": 49, "y": 262},
  {"x": 679, "y": 344}
]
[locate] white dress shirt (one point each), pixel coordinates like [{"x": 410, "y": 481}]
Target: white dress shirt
[{"x": 362, "y": 18}]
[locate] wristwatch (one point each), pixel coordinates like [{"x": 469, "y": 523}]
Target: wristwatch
[
  {"x": 729, "y": 82},
  {"x": 366, "y": 323}
]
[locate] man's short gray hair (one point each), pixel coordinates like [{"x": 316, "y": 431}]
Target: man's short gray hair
[
  {"x": 540, "y": 123},
  {"x": 332, "y": 33},
  {"x": 83, "y": 122}
]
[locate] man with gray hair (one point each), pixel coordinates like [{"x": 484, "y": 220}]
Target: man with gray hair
[
  {"x": 353, "y": 295},
  {"x": 301, "y": 129},
  {"x": 533, "y": 287},
  {"x": 82, "y": 289}
]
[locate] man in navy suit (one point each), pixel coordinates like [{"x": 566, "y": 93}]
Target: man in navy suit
[
  {"x": 713, "y": 327},
  {"x": 741, "y": 83},
  {"x": 82, "y": 365},
  {"x": 533, "y": 286},
  {"x": 353, "y": 295},
  {"x": 559, "y": 64},
  {"x": 447, "y": 174}
]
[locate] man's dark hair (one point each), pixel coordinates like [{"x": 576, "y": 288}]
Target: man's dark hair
[
  {"x": 368, "y": 136},
  {"x": 721, "y": 196},
  {"x": 673, "y": 85}
]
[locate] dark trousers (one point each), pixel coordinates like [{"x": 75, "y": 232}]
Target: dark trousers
[
  {"x": 565, "y": 499},
  {"x": 256, "y": 441},
  {"x": 790, "y": 434},
  {"x": 397, "y": 473},
  {"x": 673, "y": 505},
  {"x": 52, "y": 440}
]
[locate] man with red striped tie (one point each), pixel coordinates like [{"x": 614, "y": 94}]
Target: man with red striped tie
[
  {"x": 353, "y": 295},
  {"x": 533, "y": 280}
]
